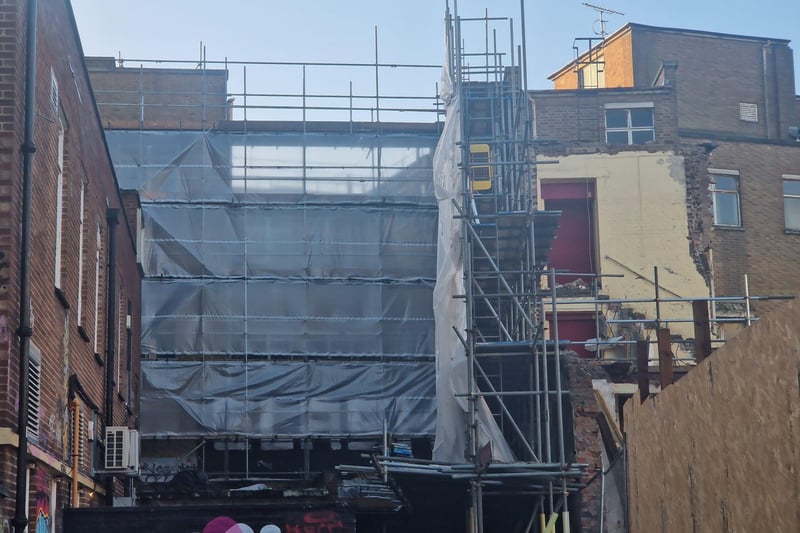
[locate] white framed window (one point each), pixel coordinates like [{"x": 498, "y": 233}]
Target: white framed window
[
  {"x": 791, "y": 202},
  {"x": 98, "y": 246},
  {"x": 59, "y": 205},
  {"x": 725, "y": 197},
  {"x": 592, "y": 75},
  {"x": 53, "y": 93},
  {"x": 121, "y": 323},
  {"x": 81, "y": 226},
  {"x": 630, "y": 123}
]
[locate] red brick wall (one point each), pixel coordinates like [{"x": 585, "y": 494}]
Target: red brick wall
[
  {"x": 11, "y": 85},
  {"x": 760, "y": 248},
  {"x": 55, "y": 326}
]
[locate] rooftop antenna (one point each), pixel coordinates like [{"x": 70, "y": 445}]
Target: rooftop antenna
[{"x": 602, "y": 10}]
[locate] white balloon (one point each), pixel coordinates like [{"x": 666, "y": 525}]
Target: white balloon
[
  {"x": 240, "y": 528},
  {"x": 270, "y": 528}
]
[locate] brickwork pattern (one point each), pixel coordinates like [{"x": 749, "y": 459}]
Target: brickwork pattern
[
  {"x": 588, "y": 441},
  {"x": 133, "y": 98},
  {"x": 715, "y": 74},
  {"x": 761, "y": 248},
  {"x": 55, "y": 325},
  {"x": 579, "y": 116}
]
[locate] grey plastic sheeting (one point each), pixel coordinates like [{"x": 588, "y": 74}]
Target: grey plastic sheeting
[
  {"x": 233, "y": 167},
  {"x": 284, "y": 318},
  {"x": 289, "y": 241},
  {"x": 453, "y": 382},
  {"x": 313, "y": 280},
  {"x": 280, "y": 399},
  {"x": 274, "y": 250}
]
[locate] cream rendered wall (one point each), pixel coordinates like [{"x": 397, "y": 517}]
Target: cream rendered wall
[{"x": 641, "y": 222}]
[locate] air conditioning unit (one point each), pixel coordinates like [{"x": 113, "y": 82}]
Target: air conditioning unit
[{"x": 122, "y": 449}]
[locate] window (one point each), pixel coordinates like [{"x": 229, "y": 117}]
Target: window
[
  {"x": 791, "y": 202},
  {"x": 59, "y": 205},
  {"x": 593, "y": 75},
  {"x": 630, "y": 123},
  {"x": 99, "y": 243},
  {"x": 725, "y": 198},
  {"x": 80, "y": 256},
  {"x": 53, "y": 93}
]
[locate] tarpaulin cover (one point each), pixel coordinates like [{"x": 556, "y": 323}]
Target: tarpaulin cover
[
  {"x": 307, "y": 261},
  {"x": 274, "y": 399},
  {"x": 196, "y": 166},
  {"x": 286, "y": 317},
  {"x": 452, "y": 365},
  {"x": 326, "y": 241}
]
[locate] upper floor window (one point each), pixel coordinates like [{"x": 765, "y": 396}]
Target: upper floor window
[
  {"x": 592, "y": 75},
  {"x": 791, "y": 202},
  {"x": 630, "y": 123},
  {"x": 725, "y": 197}
]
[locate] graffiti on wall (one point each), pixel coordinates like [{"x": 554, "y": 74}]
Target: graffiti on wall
[
  {"x": 40, "y": 522},
  {"x": 42, "y": 514},
  {"x": 5, "y": 526},
  {"x": 156, "y": 471},
  {"x": 309, "y": 522}
]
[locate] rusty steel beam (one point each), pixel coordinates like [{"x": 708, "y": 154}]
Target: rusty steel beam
[
  {"x": 702, "y": 330},
  {"x": 642, "y": 376},
  {"x": 665, "y": 357}
]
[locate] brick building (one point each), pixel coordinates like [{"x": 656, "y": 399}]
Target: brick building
[
  {"x": 734, "y": 95},
  {"x": 720, "y": 110},
  {"x": 82, "y": 331}
]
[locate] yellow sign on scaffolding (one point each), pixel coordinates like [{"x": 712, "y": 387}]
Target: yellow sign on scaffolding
[{"x": 480, "y": 167}]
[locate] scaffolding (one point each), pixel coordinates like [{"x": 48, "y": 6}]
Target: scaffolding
[
  {"x": 290, "y": 254},
  {"x": 288, "y": 249},
  {"x": 512, "y": 434}
]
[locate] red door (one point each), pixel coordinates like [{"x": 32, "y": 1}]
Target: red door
[{"x": 574, "y": 246}]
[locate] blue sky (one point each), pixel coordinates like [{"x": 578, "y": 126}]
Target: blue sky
[{"x": 410, "y": 31}]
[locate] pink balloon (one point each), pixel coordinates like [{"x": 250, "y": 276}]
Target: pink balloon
[{"x": 221, "y": 524}]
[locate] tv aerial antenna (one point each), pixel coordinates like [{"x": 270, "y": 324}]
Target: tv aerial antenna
[{"x": 603, "y": 11}]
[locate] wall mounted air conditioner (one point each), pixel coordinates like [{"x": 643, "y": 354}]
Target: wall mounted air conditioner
[{"x": 122, "y": 449}]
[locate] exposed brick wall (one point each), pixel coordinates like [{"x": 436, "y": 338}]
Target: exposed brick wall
[
  {"x": 698, "y": 208},
  {"x": 130, "y": 98},
  {"x": 580, "y": 115},
  {"x": 55, "y": 325},
  {"x": 588, "y": 440}
]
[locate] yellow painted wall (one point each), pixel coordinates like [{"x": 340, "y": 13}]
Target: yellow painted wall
[{"x": 641, "y": 222}]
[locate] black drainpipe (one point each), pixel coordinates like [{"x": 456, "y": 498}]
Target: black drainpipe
[
  {"x": 25, "y": 330},
  {"x": 112, "y": 217}
]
